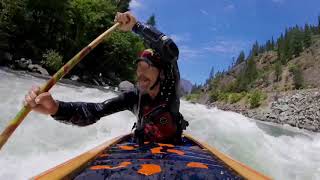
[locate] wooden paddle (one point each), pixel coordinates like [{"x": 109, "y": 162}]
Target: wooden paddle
[{"x": 15, "y": 122}]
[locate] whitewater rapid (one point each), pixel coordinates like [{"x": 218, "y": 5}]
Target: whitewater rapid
[{"x": 41, "y": 142}]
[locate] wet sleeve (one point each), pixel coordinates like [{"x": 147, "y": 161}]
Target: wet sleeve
[
  {"x": 158, "y": 41},
  {"x": 83, "y": 113},
  {"x": 171, "y": 86}
]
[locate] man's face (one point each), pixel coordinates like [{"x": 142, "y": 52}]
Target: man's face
[{"x": 146, "y": 76}]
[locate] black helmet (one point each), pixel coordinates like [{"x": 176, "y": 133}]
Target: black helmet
[{"x": 150, "y": 57}]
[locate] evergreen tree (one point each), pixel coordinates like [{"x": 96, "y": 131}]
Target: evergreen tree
[
  {"x": 152, "y": 20},
  {"x": 211, "y": 75},
  {"x": 255, "y": 49},
  {"x": 272, "y": 44},
  {"x": 262, "y": 49},
  {"x": 281, "y": 44},
  {"x": 251, "y": 70},
  {"x": 196, "y": 88},
  {"x": 241, "y": 58},
  {"x": 307, "y": 36},
  {"x": 247, "y": 76},
  {"x": 319, "y": 24},
  {"x": 296, "y": 46},
  {"x": 285, "y": 52},
  {"x": 268, "y": 45}
]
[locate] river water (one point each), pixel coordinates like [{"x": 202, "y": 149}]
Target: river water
[{"x": 40, "y": 142}]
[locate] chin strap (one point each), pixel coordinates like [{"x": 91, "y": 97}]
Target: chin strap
[{"x": 155, "y": 83}]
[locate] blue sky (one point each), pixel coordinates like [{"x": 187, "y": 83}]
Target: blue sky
[{"x": 210, "y": 33}]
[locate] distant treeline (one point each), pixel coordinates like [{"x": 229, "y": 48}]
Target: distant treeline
[{"x": 288, "y": 46}]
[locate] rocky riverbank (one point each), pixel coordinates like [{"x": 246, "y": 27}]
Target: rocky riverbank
[
  {"x": 72, "y": 82},
  {"x": 300, "y": 108},
  {"x": 33, "y": 67}
]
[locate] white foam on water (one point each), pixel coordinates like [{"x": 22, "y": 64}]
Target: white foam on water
[
  {"x": 280, "y": 157},
  {"x": 41, "y": 142}
]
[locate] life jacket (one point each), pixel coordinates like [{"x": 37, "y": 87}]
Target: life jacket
[{"x": 159, "y": 125}]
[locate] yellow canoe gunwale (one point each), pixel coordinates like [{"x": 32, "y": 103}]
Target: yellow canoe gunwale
[
  {"x": 237, "y": 166},
  {"x": 68, "y": 169}
]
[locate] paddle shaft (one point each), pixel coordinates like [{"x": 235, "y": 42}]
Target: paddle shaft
[{"x": 15, "y": 122}]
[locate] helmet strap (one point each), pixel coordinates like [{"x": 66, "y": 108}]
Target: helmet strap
[{"x": 155, "y": 83}]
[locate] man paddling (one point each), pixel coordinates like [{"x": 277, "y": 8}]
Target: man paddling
[{"x": 155, "y": 101}]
